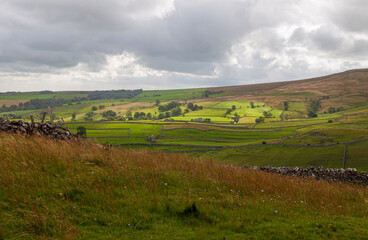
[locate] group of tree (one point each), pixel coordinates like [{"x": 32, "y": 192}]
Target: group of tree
[
  {"x": 35, "y": 104},
  {"x": 260, "y": 120},
  {"x": 334, "y": 110},
  {"x": 267, "y": 114},
  {"x": 168, "y": 107},
  {"x": 95, "y": 108},
  {"x": 314, "y": 106},
  {"x": 113, "y": 94},
  {"x": 46, "y": 92},
  {"x": 207, "y": 93},
  {"x": 194, "y": 107}
]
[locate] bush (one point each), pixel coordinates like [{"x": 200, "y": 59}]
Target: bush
[{"x": 82, "y": 131}]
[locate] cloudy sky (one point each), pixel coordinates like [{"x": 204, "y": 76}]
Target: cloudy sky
[{"x": 163, "y": 44}]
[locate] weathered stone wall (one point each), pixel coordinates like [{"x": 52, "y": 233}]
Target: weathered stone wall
[
  {"x": 38, "y": 129},
  {"x": 328, "y": 174}
]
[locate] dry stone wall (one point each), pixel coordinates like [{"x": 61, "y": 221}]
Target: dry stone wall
[
  {"x": 37, "y": 129},
  {"x": 328, "y": 174}
]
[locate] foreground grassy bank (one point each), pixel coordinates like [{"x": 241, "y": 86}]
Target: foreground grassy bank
[{"x": 70, "y": 190}]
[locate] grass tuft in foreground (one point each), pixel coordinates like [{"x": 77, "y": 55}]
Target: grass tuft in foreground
[{"x": 69, "y": 190}]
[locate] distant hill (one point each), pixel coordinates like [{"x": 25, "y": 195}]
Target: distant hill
[{"x": 349, "y": 89}]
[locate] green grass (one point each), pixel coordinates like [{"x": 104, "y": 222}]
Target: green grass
[
  {"x": 168, "y": 95},
  {"x": 290, "y": 123},
  {"x": 120, "y": 140},
  {"x": 356, "y": 156},
  {"x": 238, "y": 104},
  {"x": 226, "y": 134},
  {"x": 276, "y": 112},
  {"x": 208, "y": 142},
  {"x": 269, "y": 155},
  {"x": 136, "y": 129},
  {"x": 297, "y": 107},
  {"x": 251, "y": 112},
  {"x": 331, "y": 135},
  {"x": 213, "y": 119},
  {"x": 207, "y": 112},
  {"x": 105, "y": 133},
  {"x": 34, "y": 95}
]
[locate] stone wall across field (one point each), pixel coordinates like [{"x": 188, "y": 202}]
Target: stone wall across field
[
  {"x": 328, "y": 174},
  {"x": 37, "y": 129}
]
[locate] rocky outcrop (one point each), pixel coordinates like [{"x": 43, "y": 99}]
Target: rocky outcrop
[
  {"x": 328, "y": 174},
  {"x": 38, "y": 129}
]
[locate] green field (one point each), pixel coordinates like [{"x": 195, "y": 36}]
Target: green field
[
  {"x": 270, "y": 155},
  {"x": 288, "y": 127},
  {"x": 37, "y": 95},
  {"x": 167, "y": 95},
  {"x": 216, "y": 134},
  {"x": 207, "y": 112},
  {"x": 297, "y": 107},
  {"x": 238, "y": 104}
]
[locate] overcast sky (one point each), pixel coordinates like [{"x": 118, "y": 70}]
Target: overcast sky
[{"x": 163, "y": 44}]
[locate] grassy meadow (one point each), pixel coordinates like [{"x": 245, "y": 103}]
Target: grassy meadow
[
  {"x": 79, "y": 190},
  {"x": 192, "y": 181}
]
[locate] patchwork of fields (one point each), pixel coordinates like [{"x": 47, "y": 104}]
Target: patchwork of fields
[{"x": 219, "y": 127}]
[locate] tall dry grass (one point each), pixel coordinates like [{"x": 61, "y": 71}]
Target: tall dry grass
[{"x": 29, "y": 160}]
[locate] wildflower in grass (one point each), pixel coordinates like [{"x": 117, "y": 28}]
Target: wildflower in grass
[
  {"x": 74, "y": 207},
  {"x": 128, "y": 224},
  {"x": 262, "y": 190},
  {"x": 275, "y": 211}
]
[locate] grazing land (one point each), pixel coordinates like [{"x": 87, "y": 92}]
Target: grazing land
[
  {"x": 74, "y": 190},
  {"x": 177, "y": 168},
  {"x": 262, "y": 124}
]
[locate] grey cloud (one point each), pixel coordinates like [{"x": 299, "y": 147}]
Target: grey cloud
[{"x": 198, "y": 38}]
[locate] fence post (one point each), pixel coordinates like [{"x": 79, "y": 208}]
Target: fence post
[
  {"x": 43, "y": 117},
  {"x": 32, "y": 121},
  {"x": 51, "y": 118},
  {"x": 65, "y": 124}
]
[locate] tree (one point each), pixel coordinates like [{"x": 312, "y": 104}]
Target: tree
[
  {"x": 157, "y": 102},
  {"x": 109, "y": 113},
  {"x": 267, "y": 114},
  {"x": 136, "y": 115},
  {"x": 233, "y": 107},
  {"x": 206, "y": 93},
  {"x": 176, "y": 111},
  {"x": 82, "y": 131},
  {"x": 312, "y": 114},
  {"x": 167, "y": 114},
  {"x": 260, "y": 120},
  {"x": 286, "y": 105},
  {"x": 161, "y": 115},
  {"x": 88, "y": 116},
  {"x": 251, "y": 104},
  {"x": 94, "y": 108},
  {"x": 73, "y": 116},
  {"x": 149, "y": 115}
]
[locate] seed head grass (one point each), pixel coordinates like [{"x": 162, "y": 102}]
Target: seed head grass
[{"x": 78, "y": 189}]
